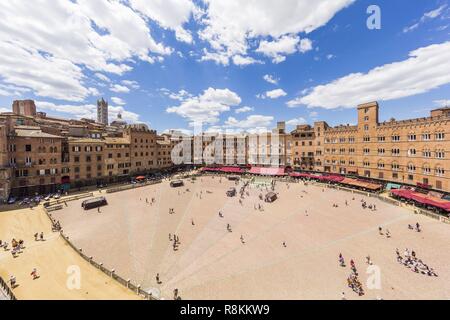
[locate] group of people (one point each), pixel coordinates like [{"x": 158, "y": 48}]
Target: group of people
[
  {"x": 415, "y": 228},
  {"x": 352, "y": 280},
  {"x": 39, "y": 236},
  {"x": 17, "y": 247},
  {"x": 56, "y": 226},
  {"x": 410, "y": 260},
  {"x": 175, "y": 241},
  {"x": 364, "y": 205},
  {"x": 381, "y": 233}
]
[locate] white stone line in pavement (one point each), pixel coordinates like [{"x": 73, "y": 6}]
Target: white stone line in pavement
[
  {"x": 213, "y": 220},
  {"x": 158, "y": 218},
  {"x": 241, "y": 221},
  {"x": 180, "y": 223},
  {"x": 175, "y": 264}
]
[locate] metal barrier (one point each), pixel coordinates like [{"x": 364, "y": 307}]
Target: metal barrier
[
  {"x": 72, "y": 198},
  {"x": 110, "y": 273},
  {"x": 7, "y": 290},
  {"x": 132, "y": 186}
]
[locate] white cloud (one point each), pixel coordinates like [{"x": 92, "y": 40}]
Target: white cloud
[
  {"x": 131, "y": 84},
  {"x": 243, "y": 110},
  {"x": 102, "y": 77},
  {"x": 427, "y": 16},
  {"x": 305, "y": 45},
  {"x": 119, "y": 89},
  {"x": 47, "y": 48},
  {"x": 270, "y": 79},
  {"x": 285, "y": 45},
  {"x": 5, "y": 110},
  {"x": 296, "y": 121},
  {"x": 207, "y": 107},
  {"x": 230, "y": 25},
  {"x": 118, "y": 101},
  {"x": 275, "y": 94},
  {"x": 217, "y": 57},
  {"x": 427, "y": 68},
  {"x": 442, "y": 103},
  {"x": 169, "y": 14},
  {"x": 253, "y": 121},
  {"x": 180, "y": 96},
  {"x": 331, "y": 56},
  {"x": 244, "y": 61},
  {"x": 12, "y": 90}
]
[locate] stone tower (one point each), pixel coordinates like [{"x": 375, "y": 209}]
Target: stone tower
[{"x": 102, "y": 112}]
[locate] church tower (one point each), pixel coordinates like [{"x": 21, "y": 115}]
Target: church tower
[{"x": 102, "y": 112}]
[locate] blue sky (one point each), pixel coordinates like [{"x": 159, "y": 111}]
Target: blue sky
[{"x": 172, "y": 63}]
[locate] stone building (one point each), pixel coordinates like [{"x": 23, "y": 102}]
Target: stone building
[
  {"x": 35, "y": 160},
  {"x": 143, "y": 148},
  {"x": 406, "y": 152}
]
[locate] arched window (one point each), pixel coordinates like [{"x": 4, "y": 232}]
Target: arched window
[
  {"x": 411, "y": 167},
  {"x": 426, "y": 169},
  {"x": 426, "y": 153},
  {"x": 395, "y": 166},
  {"x": 380, "y": 164},
  {"x": 411, "y": 152},
  {"x": 439, "y": 170},
  {"x": 411, "y": 136},
  {"x": 439, "y": 134}
]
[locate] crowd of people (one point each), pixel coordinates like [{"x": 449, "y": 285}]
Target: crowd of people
[
  {"x": 353, "y": 280},
  {"x": 410, "y": 260}
]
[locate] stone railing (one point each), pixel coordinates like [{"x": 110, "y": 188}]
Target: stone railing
[{"x": 7, "y": 290}]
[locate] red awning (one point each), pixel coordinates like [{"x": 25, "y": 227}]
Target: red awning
[
  {"x": 268, "y": 171},
  {"x": 301, "y": 175},
  {"x": 423, "y": 199},
  {"x": 140, "y": 178}
]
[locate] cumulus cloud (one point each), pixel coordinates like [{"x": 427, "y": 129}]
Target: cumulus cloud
[
  {"x": 270, "y": 79},
  {"x": 131, "y": 84},
  {"x": 63, "y": 38},
  {"x": 231, "y": 25},
  {"x": 243, "y": 110},
  {"x": 169, "y": 14},
  {"x": 102, "y": 77},
  {"x": 279, "y": 48},
  {"x": 118, "y": 101},
  {"x": 244, "y": 61},
  {"x": 119, "y": 88},
  {"x": 207, "y": 107},
  {"x": 426, "y": 68},
  {"x": 296, "y": 121},
  {"x": 275, "y": 94},
  {"x": 305, "y": 45}
]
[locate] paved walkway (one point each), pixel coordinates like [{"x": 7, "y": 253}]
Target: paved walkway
[{"x": 57, "y": 263}]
